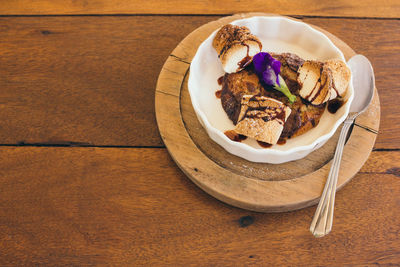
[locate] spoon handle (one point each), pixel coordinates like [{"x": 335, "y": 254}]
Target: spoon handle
[{"x": 321, "y": 224}]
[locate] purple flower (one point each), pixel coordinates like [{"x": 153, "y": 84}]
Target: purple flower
[{"x": 267, "y": 68}]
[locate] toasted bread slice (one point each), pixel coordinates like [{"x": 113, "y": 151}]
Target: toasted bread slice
[
  {"x": 234, "y": 86},
  {"x": 341, "y": 77},
  {"x": 262, "y": 118},
  {"x": 236, "y": 47},
  {"x": 315, "y": 81},
  {"x": 290, "y": 65}
]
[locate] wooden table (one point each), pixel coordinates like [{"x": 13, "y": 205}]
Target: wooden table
[{"x": 86, "y": 180}]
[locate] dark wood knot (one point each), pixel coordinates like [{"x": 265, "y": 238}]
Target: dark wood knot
[
  {"x": 46, "y": 32},
  {"x": 394, "y": 171},
  {"x": 246, "y": 221}
]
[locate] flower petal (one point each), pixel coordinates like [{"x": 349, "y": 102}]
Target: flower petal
[
  {"x": 267, "y": 68},
  {"x": 259, "y": 62},
  {"x": 269, "y": 76},
  {"x": 276, "y": 66}
]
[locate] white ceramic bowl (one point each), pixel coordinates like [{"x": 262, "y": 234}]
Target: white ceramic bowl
[{"x": 277, "y": 34}]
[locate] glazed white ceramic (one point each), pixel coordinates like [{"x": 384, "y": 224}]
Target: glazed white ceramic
[{"x": 277, "y": 34}]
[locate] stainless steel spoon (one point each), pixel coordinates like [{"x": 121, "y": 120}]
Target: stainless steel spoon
[{"x": 364, "y": 84}]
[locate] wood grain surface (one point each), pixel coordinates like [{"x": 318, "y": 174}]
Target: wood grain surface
[
  {"x": 89, "y": 206},
  {"x": 89, "y": 81},
  {"x": 355, "y": 8},
  {"x": 80, "y": 80}
]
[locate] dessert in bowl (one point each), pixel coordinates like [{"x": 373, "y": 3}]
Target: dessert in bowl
[{"x": 282, "y": 111}]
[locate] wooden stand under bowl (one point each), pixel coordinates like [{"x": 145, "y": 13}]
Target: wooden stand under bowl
[{"x": 253, "y": 186}]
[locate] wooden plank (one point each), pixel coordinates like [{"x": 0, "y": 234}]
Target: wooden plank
[
  {"x": 83, "y": 79},
  {"x": 75, "y": 79},
  {"x": 368, "y": 8},
  {"x": 91, "y": 206}
]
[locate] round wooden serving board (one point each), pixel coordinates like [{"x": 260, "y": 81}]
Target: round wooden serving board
[{"x": 254, "y": 186}]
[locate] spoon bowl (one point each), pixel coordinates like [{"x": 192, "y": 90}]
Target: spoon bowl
[{"x": 363, "y": 83}]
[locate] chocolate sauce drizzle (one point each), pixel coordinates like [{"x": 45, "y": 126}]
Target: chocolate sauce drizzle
[
  {"x": 265, "y": 113},
  {"x": 246, "y": 60},
  {"x": 218, "y": 93},
  {"x": 264, "y": 144},
  {"x": 335, "y": 104},
  {"x": 231, "y": 134},
  {"x": 334, "y": 88},
  {"x": 220, "y": 80},
  {"x": 281, "y": 141},
  {"x": 320, "y": 86}
]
